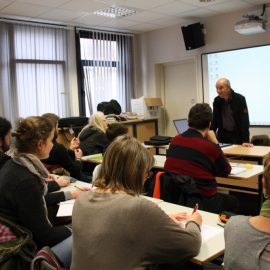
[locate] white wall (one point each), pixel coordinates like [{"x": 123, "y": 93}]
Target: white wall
[{"x": 167, "y": 45}]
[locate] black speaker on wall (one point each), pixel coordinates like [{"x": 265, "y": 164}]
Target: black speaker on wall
[{"x": 193, "y": 36}]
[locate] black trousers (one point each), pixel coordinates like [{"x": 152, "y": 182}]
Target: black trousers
[{"x": 225, "y": 136}]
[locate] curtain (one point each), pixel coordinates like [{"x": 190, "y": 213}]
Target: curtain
[
  {"x": 33, "y": 73},
  {"x": 105, "y": 68}
]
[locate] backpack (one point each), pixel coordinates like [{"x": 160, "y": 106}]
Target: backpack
[
  {"x": 109, "y": 107},
  {"x": 16, "y": 254},
  {"x": 46, "y": 260}
]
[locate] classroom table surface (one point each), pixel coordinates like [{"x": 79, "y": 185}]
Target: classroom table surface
[
  {"x": 250, "y": 170},
  {"x": 239, "y": 150},
  {"x": 213, "y": 244}
]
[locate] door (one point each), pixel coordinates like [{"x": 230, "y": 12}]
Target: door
[{"x": 180, "y": 92}]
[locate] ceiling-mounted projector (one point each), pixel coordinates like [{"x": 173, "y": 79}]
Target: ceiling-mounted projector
[{"x": 252, "y": 25}]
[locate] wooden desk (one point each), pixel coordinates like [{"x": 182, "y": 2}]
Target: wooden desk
[
  {"x": 256, "y": 153},
  {"x": 245, "y": 181},
  {"x": 212, "y": 247},
  {"x": 249, "y": 181}
]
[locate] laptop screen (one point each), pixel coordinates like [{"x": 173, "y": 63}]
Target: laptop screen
[{"x": 181, "y": 125}]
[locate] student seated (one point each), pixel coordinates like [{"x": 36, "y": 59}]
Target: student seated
[
  {"x": 114, "y": 228},
  {"x": 247, "y": 239},
  {"x": 62, "y": 157},
  {"x": 23, "y": 186},
  {"x": 92, "y": 137},
  {"x": 54, "y": 182},
  {"x": 196, "y": 153},
  {"x": 113, "y": 131}
]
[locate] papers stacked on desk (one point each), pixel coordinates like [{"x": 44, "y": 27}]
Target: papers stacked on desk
[{"x": 237, "y": 169}]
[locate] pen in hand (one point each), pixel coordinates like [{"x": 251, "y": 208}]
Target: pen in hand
[
  {"x": 79, "y": 188},
  {"x": 82, "y": 189},
  {"x": 195, "y": 208}
]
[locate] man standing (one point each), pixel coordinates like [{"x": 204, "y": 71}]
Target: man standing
[
  {"x": 230, "y": 115},
  {"x": 196, "y": 153}
]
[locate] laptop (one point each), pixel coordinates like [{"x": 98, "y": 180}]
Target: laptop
[{"x": 181, "y": 125}]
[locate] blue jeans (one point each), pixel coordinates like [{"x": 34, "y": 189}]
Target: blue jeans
[{"x": 63, "y": 251}]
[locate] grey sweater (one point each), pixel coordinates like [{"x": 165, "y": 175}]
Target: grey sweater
[
  {"x": 246, "y": 248},
  {"x": 119, "y": 231}
]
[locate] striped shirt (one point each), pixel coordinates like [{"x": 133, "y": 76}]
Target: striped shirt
[{"x": 191, "y": 154}]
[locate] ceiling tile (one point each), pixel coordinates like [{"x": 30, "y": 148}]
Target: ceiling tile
[
  {"x": 197, "y": 3},
  {"x": 110, "y": 2},
  {"x": 143, "y": 27},
  {"x": 145, "y": 4},
  {"x": 199, "y": 13},
  {"x": 24, "y": 9},
  {"x": 84, "y": 5},
  {"x": 49, "y": 3},
  {"x": 173, "y": 8},
  {"x": 5, "y": 3},
  {"x": 230, "y": 6},
  {"x": 145, "y": 16},
  {"x": 62, "y": 15},
  {"x": 92, "y": 20},
  {"x": 167, "y": 21}
]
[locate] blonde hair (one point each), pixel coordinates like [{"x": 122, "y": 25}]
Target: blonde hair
[
  {"x": 97, "y": 120},
  {"x": 125, "y": 164}
]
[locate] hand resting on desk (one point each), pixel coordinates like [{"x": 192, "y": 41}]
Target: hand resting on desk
[
  {"x": 178, "y": 217},
  {"x": 247, "y": 144}
]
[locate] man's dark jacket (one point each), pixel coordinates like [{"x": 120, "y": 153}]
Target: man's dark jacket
[{"x": 240, "y": 115}]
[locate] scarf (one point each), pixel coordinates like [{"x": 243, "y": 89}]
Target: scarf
[
  {"x": 35, "y": 166},
  {"x": 265, "y": 209}
]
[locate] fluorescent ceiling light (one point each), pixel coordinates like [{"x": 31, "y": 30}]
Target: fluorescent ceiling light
[{"x": 115, "y": 12}]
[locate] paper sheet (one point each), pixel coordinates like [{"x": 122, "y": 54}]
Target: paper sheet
[
  {"x": 65, "y": 209},
  {"x": 236, "y": 170},
  {"x": 209, "y": 232}
]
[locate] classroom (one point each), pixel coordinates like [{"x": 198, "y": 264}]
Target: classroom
[{"x": 63, "y": 57}]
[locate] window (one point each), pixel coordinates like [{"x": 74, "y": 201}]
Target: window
[
  {"x": 106, "y": 64},
  {"x": 35, "y": 63}
]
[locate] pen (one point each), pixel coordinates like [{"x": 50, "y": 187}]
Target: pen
[
  {"x": 221, "y": 225},
  {"x": 79, "y": 188},
  {"x": 195, "y": 208}
]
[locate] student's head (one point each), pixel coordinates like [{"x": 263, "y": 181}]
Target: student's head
[
  {"x": 200, "y": 116},
  {"x": 5, "y": 138},
  {"x": 266, "y": 175},
  {"x": 223, "y": 87},
  {"x": 98, "y": 120},
  {"x": 126, "y": 165},
  {"x": 53, "y": 118},
  {"x": 33, "y": 135},
  {"x": 114, "y": 130}
]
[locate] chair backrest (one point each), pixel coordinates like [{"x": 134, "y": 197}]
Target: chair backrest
[
  {"x": 46, "y": 260},
  {"x": 263, "y": 140},
  {"x": 174, "y": 188}
]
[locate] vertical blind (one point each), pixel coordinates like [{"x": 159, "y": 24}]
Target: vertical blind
[
  {"x": 106, "y": 68},
  {"x": 33, "y": 80}
]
